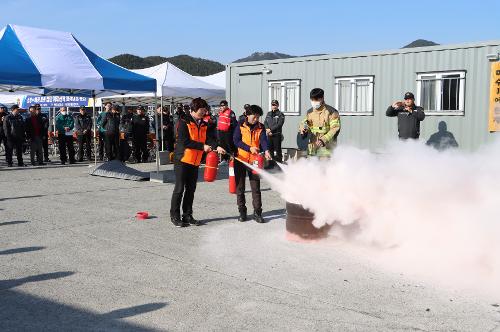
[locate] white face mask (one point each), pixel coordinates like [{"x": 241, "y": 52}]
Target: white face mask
[
  {"x": 63, "y": 112},
  {"x": 315, "y": 104}
]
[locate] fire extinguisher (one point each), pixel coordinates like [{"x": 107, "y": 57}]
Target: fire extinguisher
[
  {"x": 258, "y": 162},
  {"x": 211, "y": 165},
  {"x": 232, "y": 179}
]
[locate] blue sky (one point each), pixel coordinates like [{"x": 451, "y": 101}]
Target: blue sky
[{"x": 228, "y": 30}]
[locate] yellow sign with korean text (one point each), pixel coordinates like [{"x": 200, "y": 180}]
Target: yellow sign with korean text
[{"x": 494, "y": 115}]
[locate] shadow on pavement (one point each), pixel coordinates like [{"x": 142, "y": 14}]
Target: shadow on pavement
[
  {"x": 20, "y": 250},
  {"x": 15, "y": 222}
]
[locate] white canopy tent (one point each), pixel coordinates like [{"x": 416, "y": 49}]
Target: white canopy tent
[
  {"x": 173, "y": 85},
  {"x": 218, "y": 79}
]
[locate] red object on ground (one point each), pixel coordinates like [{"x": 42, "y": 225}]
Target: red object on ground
[
  {"x": 232, "y": 179},
  {"x": 258, "y": 162},
  {"x": 211, "y": 165},
  {"x": 142, "y": 215}
]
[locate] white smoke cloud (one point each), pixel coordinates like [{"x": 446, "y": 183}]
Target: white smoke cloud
[{"x": 424, "y": 211}]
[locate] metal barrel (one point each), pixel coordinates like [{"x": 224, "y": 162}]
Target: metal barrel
[{"x": 299, "y": 224}]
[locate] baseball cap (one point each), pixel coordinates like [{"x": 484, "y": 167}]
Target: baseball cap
[
  {"x": 223, "y": 103},
  {"x": 409, "y": 95},
  {"x": 275, "y": 102}
]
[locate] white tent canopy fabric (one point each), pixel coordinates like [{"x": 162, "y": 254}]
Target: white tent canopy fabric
[
  {"x": 218, "y": 79},
  {"x": 173, "y": 84}
]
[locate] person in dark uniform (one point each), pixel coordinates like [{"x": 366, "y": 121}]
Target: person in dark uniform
[
  {"x": 101, "y": 131},
  {"x": 111, "y": 127},
  {"x": 14, "y": 130},
  {"x": 140, "y": 130},
  {"x": 409, "y": 116},
  {"x": 83, "y": 128},
  {"x": 274, "y": 125},
  {"x": 3, "y": 114},
  {"x": 193, "y": 139},
  {"x": 166, "y": 129},
  {"x": 45, "y": 132},
  {"x": 126, "y": 134}
]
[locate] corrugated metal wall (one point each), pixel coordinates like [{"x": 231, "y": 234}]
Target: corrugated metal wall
[{"x": 395, "y": 72}]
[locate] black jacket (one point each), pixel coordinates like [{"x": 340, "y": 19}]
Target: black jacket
[
  {"x": 30, "y": 130},
  {"x": 184, "y": 140},
  {"x": 408, "y": 123},
  {"x": 46, "y": 125},
  {"x": 168, "y": 121},
  {"x": 126, "y": 123},
  {"x": 83, "y": 122},
  {"x": 111, "y": 123},
  {"x": 2, "y": 117},
  {"x": 274, "y": 121},
  {"x": 140, "y": 126},
  {"x": 13, "y": 126}
]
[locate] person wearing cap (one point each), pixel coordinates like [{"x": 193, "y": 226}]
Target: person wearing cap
[
  {"x": 243, "y": 115},
  {"x": 45, "y": 132},
  {"x": 3, "y": 114},
  {"x": 14, "y": 130},
  {"x": 140, "y": 130},
  {"x": 83, "y": 128},
  {"x": 194, "y": 138},
  {"x": 321, "y": 125},
  {"x": 111, "y": 126},
  {"x": 226, "y": 123},
  {"x": 250, "y": 139},
  {"x": 409, "y": 116},
  {"x": 274, "y": 125},
  {"x": 34, "y": 126},
  {"x": 64, "y": 126}
]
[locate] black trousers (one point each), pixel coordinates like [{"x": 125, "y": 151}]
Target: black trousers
[
  {"x": 112, "y": 145},
  {"x": 101, "y": 146},
  {"x": 125, "y": 149},
  {"x": 12, "y": 144},
  {"x": 3, "y": 140},
  {"x": 84, "y": 141},
  {"x": 45, "y": 146},
  {"x": 186, "y": 176},
  {"x": 141, "y": 148},
  {"x": 66, "y": 147},
  {"x": 226, "y": 142},
  {"x": 240, "y": 173},
  {"x": 275, "y": 147}
]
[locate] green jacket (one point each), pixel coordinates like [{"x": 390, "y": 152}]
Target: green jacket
[
  {"x": 64, "y": 121},
  {"x": 100, "y": 118}
]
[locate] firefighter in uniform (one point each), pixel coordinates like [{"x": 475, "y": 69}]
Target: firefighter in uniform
[
  {"x": 250, "y": 139},
  {"x": 322, "y": 125},
  {"x": 193, "y": 139}
]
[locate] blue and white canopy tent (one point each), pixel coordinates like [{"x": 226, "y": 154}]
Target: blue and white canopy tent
[{"x": 47, "y": 62}]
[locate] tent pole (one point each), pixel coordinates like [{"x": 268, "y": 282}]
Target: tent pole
[
  {"x": 161, "y": 123},
  {"x": 157, "y": 145},
  {"x": 95, "y": 128}
]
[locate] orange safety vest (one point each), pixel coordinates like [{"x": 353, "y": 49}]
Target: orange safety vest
[
  {"x": 251, "y": 138},
  {"x": 197, "y": 134},
  {"x": 224, "y": 122}
]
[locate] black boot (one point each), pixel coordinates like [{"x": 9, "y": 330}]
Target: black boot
[
  {"x": 243, "y": 215},
  {"x": 189, "y": 220},
  {"x": 257, "y": 216},
  {"x": 176, "y": 220}
]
